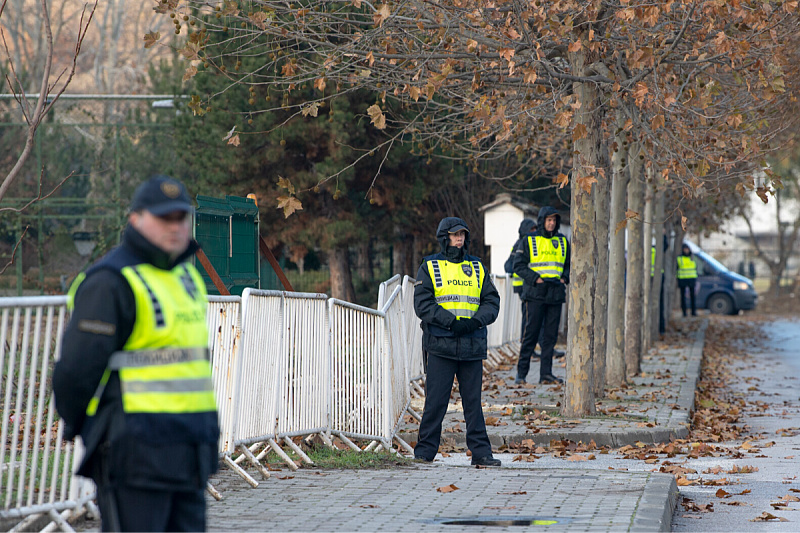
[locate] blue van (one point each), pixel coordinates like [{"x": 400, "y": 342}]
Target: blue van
[{"x": 718, "y": 289}]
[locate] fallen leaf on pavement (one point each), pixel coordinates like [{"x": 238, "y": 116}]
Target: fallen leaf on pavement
[
  {"x": 742, "y": 470},
  {"x": 722, "y": 494},
  {"x": 520, "y": 492},
  {"x": 448, "y": 488},
  {"x": 766, "y": 517}
]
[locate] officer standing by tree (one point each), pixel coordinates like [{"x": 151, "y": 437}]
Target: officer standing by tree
[
  {"x": 527, "y": 227},
  {"x": 134, "y": 380},
  {"x": 687, "y": 276},
  {"x": 455, "y": 299},
  {"x": 542, "y": 261}
]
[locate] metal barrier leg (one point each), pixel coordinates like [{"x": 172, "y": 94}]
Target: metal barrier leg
[
  {"x": 239, "y": 470},
  {"x": 348, "y": 442},
  {"x": 406, "y": 446},
  {"x": 413, "y": 413},
  {"x": 372, "y": 445},
  {"x": 286, "y": 459},
  {"x": 290, "y": 443},
  {"x": 252, "y": 448},
  {"x": 263, "y": 453},
  {"x": 327, "y": 440},
  {"x": 419, "y": 390},
  {"x": 58, "y": 519},
  {"x": 252, "y": 458},
  {"x": 214, "y": 492}
]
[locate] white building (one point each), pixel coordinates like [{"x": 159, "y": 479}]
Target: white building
[{"x": 501, "y": 219}]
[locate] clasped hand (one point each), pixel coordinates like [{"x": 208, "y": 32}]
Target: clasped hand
[{"x": 464, "y": 327}]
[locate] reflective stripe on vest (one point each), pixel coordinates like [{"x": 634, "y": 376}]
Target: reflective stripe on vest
[
  {"x": 546, "y": 259},
  {"x": 652, "y": 261},
  {"x": 516, "y": 281},
  {"x": 455, "y": 290},
  {"x": 164, "y": 367},
  {"x": 687, "y": 269}
]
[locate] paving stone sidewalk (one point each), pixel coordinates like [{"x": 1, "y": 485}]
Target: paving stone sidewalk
[{"x": 654, "y": 408}]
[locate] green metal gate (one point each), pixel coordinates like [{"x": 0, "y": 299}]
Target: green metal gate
[{"x": 227, "y": 230}]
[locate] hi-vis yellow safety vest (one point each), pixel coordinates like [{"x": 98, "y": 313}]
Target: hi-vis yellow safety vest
[
  {"x": 457, "y": 286},
  {"x": 547, "y": 256},
  {"x": 687, "y": 268},
  {"x": 516, "y": 281},
  {"x": 164, "y": 368}
]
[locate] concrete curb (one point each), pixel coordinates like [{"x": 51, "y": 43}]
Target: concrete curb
[{"x": 654, "y": 512}]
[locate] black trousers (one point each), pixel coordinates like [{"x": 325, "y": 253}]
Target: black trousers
[
  {"x": 133, "y": 509},
  {"x": 683, "y": 285},
  {"x": 525, "y": 323},
  {"x": 540, "y": 318},
  {"x": 439, "y": 383}
]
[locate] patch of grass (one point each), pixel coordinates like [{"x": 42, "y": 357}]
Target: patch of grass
[{"x": 325, "y": 457}]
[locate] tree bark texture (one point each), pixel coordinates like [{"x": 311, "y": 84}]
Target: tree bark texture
[
  {"x": 633, "y": 278},
  {"x": 341, "y": 276},
  {"x": 602, "y": 190},
  {"x": 578, "y": 394},
  {"x": 658, "y": 268},
  {"x": 615, "y": 349},
  {"x": 647, "y": 243}
]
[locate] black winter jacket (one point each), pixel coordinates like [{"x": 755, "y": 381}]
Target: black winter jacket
[
  {"x": 552, "y": 291},
  {"x": 102, "y": 320},
  {"x": 437, "y": 338},
  {"x": 526, "y": 227}
]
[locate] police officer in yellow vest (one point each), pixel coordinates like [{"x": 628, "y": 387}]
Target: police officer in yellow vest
[
  {"x": 687, "y": 276},
  {"x": 542, "y": 261},
  {"x": 526, "y": 227},
  {"x": 455, "y": 299},
  {"x": 134, "y": 380}
]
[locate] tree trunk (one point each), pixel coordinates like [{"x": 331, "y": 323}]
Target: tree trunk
[
  {"x": 341, "y": 277},
  {"x": 657, "y": 306},
  {"x": 364, "y": 262},
  {"x": 578, "y": 394},
  {"x": 602, "y": 190},
  {"x": 633, "y": 285},
  {"x": 647, "y": 243},
  {"x": 615, "y": 351},
  {"x": 671, "y": 270},
  {"x": 403, "y": 254}
]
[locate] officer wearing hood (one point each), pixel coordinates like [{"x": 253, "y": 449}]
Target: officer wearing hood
[
  {"x": 455, "y": 299},
  {"x": 542, "y": 261},
  {"x": 526, "y": 227}
]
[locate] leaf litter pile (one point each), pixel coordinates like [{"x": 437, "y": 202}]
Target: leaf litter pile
[{"x": 717, "y": 420}]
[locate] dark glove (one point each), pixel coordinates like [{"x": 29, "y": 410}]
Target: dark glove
[{"x": 464, "y": 327}]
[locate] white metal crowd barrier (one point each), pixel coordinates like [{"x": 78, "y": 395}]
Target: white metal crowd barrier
[
  {"x": 416, "y": 369},
  {"x": 368, "y": 370},
  {"x": 224, "y": 337},
  {"x": 36, "y": 469},
  {"x": 284, "y": 365}
]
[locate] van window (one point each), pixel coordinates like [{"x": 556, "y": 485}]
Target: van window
[
  {"x": 703, "y": 268},
  {"x": 710, "y": 265}
]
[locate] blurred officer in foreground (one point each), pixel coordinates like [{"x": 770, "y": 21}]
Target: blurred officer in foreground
[
  {"x": 542, "y": 261},
  {"x": 134, "y": 380},
  {"x": 455, "y": 299}
]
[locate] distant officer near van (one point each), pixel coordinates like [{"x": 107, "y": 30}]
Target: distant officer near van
[
  {"x": 134, "y": 380},
  {"x": 687, "y": 278},
  {"x": 455, "y": 299}
]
